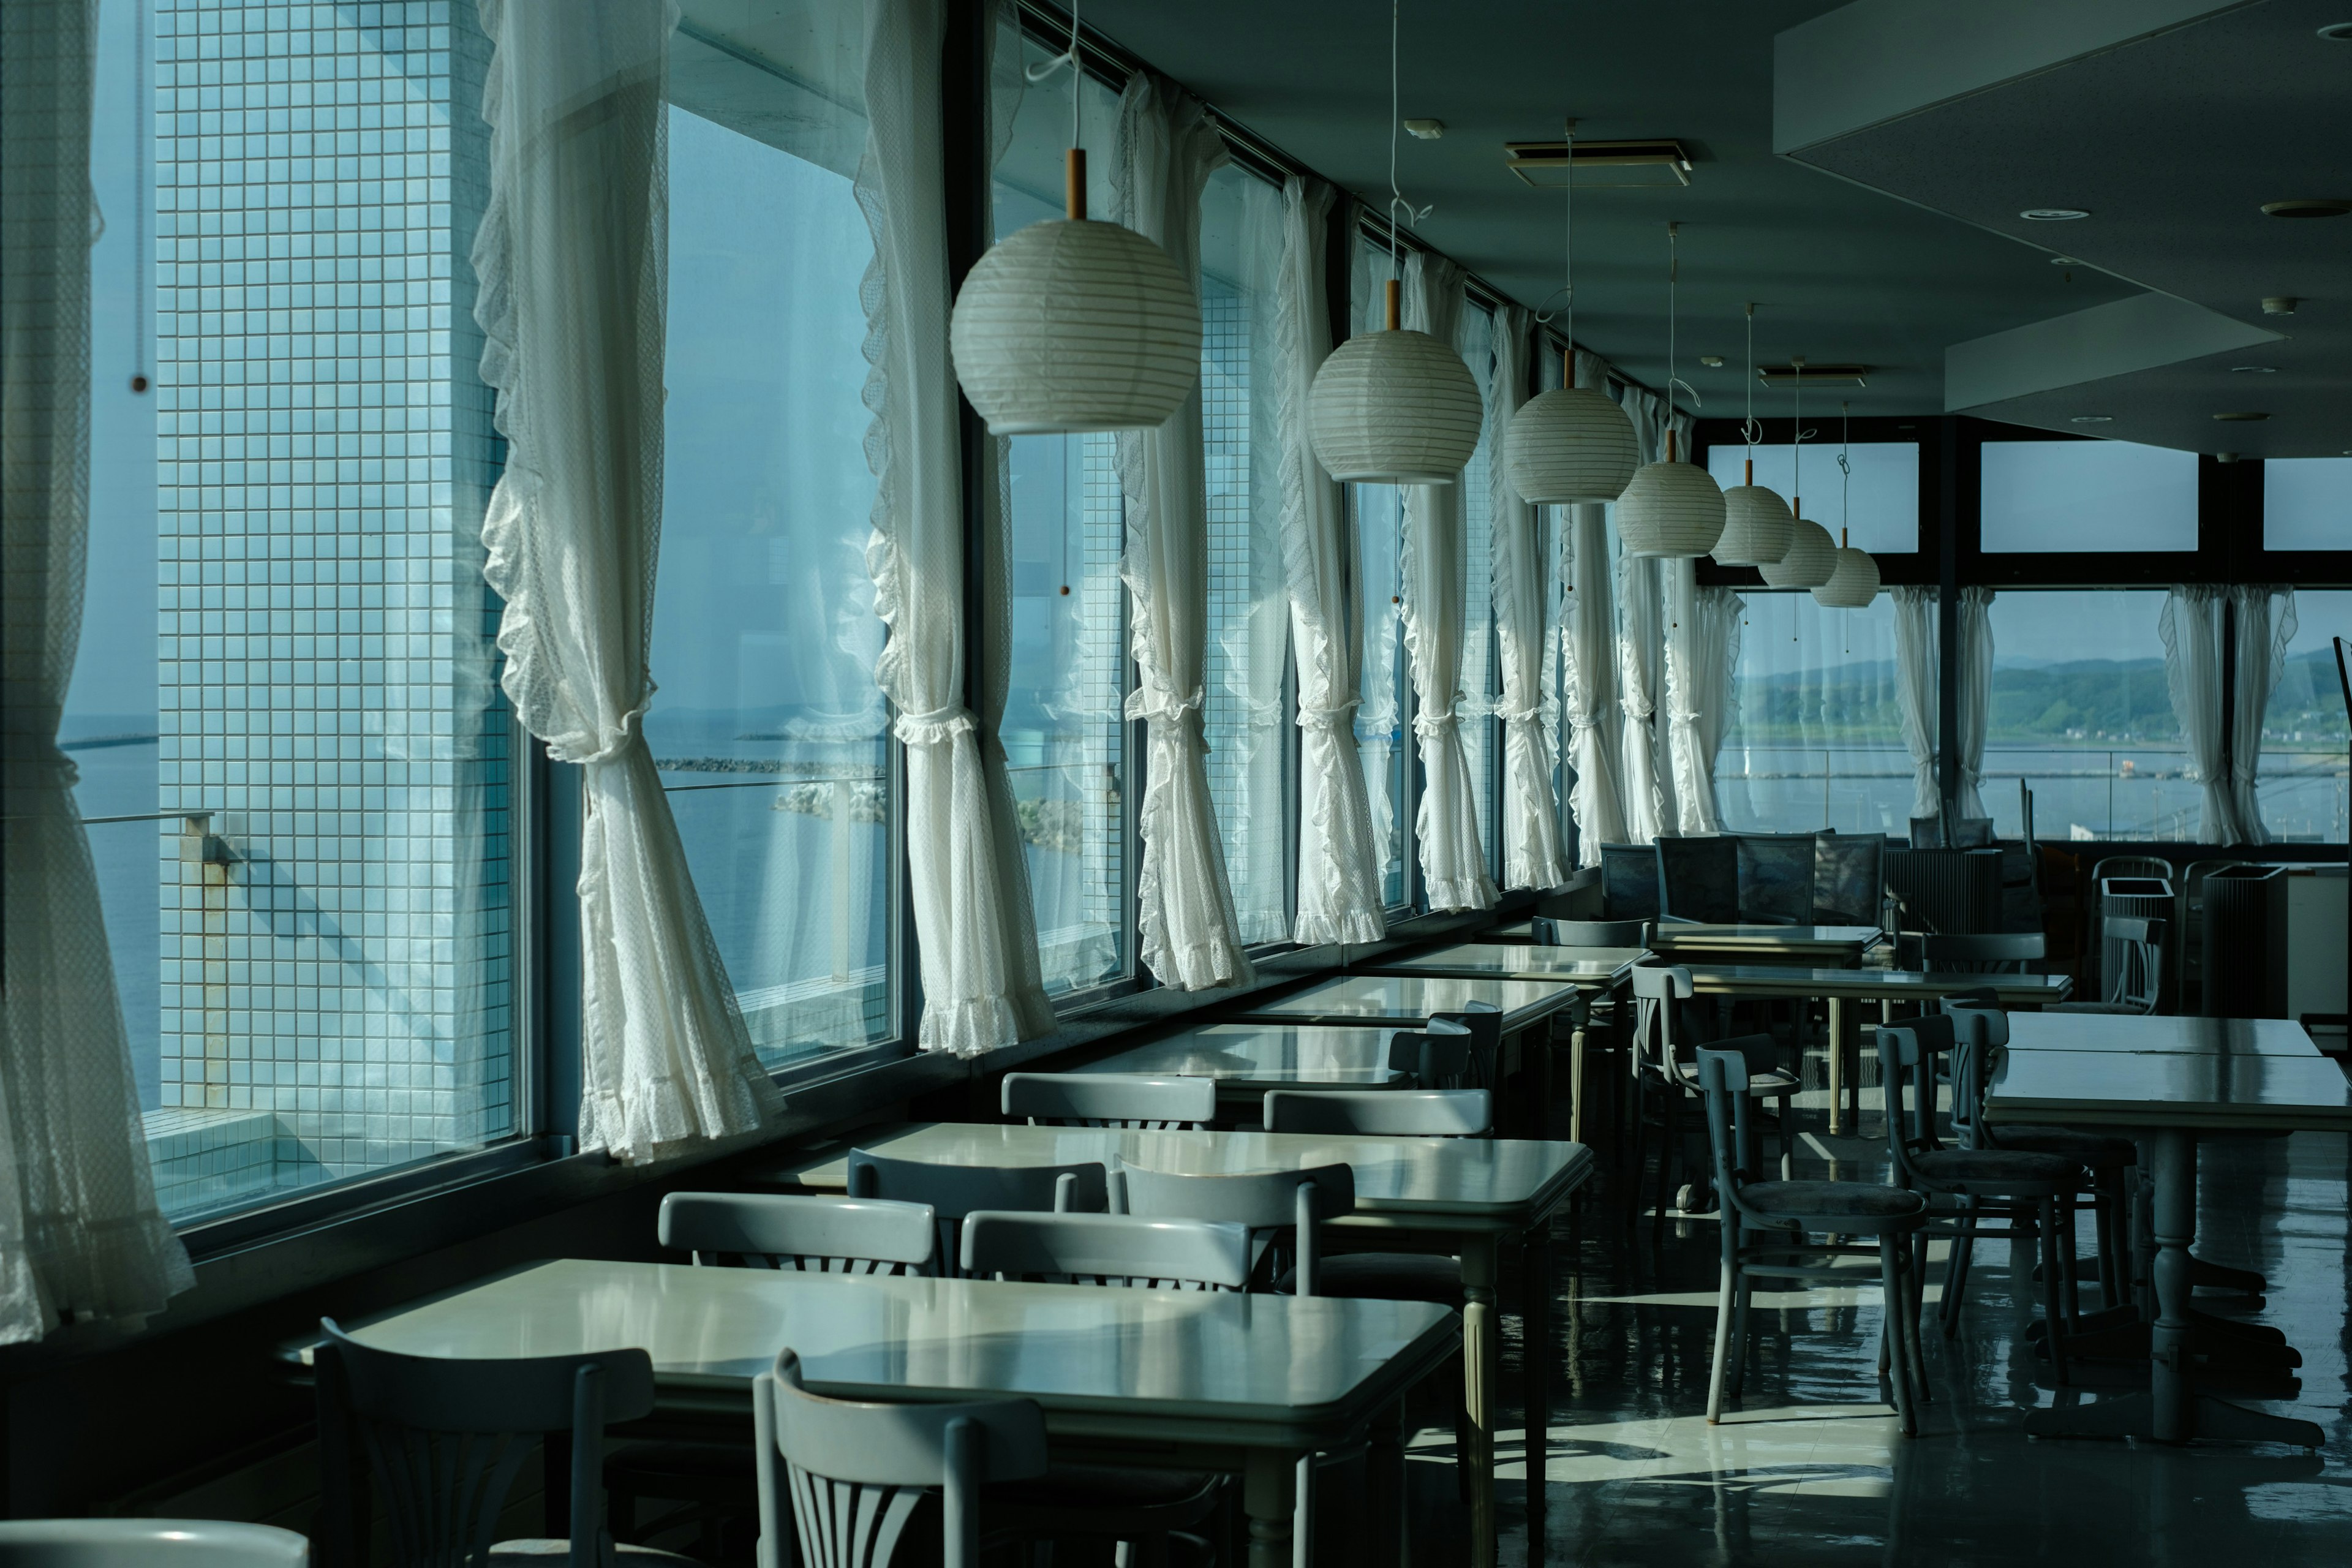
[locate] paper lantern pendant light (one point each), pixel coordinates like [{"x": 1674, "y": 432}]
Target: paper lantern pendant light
[
  {"x": 1854, "y": 579},
  {"x": 1571, "y": 444},
  {"x": 1811, "y": 557},
  {"x": 1073, "y": 325},
  {"x": 1395, "y": 407},
  {"x": 1757, "y": 526},
  {"x": 1671, "y": 508}
]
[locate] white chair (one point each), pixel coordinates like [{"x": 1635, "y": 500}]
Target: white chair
[{"x": 148, "y": 1543}]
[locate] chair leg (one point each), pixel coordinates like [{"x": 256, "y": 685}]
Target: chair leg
[
  {"x": 1955, "y": 1270},
  {"x": 2055, "y": 1333},
  {"x": 1670, "y": 1137},
  {"x": 2104, "y": 1214},
  {"x": 1724, "y": 1312},
  {"x": 1640, "y": 1099},
  {"x": 1746, "y": 1297},
  {"x": 1891, "y": 1355},
  {"x": 1913, "y": 1304}
]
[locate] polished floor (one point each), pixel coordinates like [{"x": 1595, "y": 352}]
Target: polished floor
[{"x": 1812, "y": 1469}]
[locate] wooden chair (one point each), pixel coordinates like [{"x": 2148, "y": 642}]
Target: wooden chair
[
  {"x": 1666, "y": 1070},
  {"x": 1131, "y": 1100},
  {"x": 2136, "y": 985},
  {"x": 952, "y": 1192}
]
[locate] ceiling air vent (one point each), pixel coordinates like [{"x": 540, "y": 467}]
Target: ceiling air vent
[
  {"x": 1815, "y": 375},
  {"x": 1600, "y": 165}
]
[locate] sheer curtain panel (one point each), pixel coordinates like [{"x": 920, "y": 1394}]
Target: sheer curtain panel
[
  {"x": 1453, "y": 851},
  {"x": 2191, "y": 627},
  {"x": 571, "y": 256},
  {"x": 1589, "y": 663},
  {"x": 1639, "y": 634},
  {"x": 1915, "y": 690},
  {"x": 972, "y": 914},
  {"x": 80, "y": 1237},
  {"x": 1338, "y": 854},
  {"x": 1185, "y": 919},
  {"x": 1702, "y": 652},
  {"x": 1976, "y": 696},
  {"x": 2263, "y": 624},
  {"x": 1533, "y": 855}
]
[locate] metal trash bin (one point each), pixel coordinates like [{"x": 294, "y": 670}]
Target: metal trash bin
[
  {"x": 2245, "y": 942},
  {"x": 2144, "y": 898}
]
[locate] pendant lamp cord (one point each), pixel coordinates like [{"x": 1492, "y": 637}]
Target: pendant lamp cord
[
  {"x": 1845, "y": 469},
  {"x": 1567, "y": 251},
  {"x": 1412, "y": 215},
  {"x": 1069, "y": 58},
  {"x": 1750, "y": 431},
  {"x": 1797, "y": 443},
  {"x": 1674, "y": 274}
]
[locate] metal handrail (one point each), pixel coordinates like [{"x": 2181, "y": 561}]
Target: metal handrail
[{"x": 150, "y": 816}]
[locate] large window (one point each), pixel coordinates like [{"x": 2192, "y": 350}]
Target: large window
[
  {"x": 1480, "y": 667},
  {"x": 2043, "y": 496},
  {"x": 2307, "y": 503},
  {"x": 2082, "y": 713},
  {"x": 770, "y": 732},
  {"x": 1817, "y": 740},
  {"x": 2305, "y": 736},
  {"x": 1879, "y": 503},
  {"x": 285, "y": 642},
  {"x": 1064, "y": 729}
]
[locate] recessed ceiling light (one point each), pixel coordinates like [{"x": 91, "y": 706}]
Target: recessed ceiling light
[
  {"x": 2309, "y": 206},
  {"x": 1712, "y": 362},
  {"x": 2052, "y": 214},
  {"x": 2337, "y": 32},
  {"x": 1425, "y": 130},
  {"x": 2253, "y": 370},
  {"x": 2241, "y": 418},
  {"x": 2095, "y": 418}
]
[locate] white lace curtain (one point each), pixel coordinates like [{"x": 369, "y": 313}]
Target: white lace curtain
[
  {"x": 571, "y": 256},
  {"x": 1185, "y": 920},
  {"x": 1701, "y": 658},
  {"x": 1533, "y": 855},
  {"x": 1914, "y": 689},
  {"x": 1339, "y": 853},
  {"x": 2191, "y": 627},
  {"x": 1453, "y": 851},
  {"x": 80, "y": 1237},
  {"x": 1975, "y": 697},
  {"x": 1588, "y": 662},
  {"x": 1641, "y": 626},
  {"x": 974, "y": 920},
  {"x": 2265, "y": 624}
]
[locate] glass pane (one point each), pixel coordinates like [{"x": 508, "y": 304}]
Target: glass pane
[
  {"x": 1479, "y": 667},
  {"x": 1249, "y": 606},
  {"x": 1063, "y": 730},
  {"x": 2307, "y": 503},
  {"x": 2305, "y": 736},
  {"x": 2045, "y": 496},
  {"x": 1879, "y": 504},
  {"x": 770, "y": 732},
  {"x": 287, "y": 627},
  {"x": 2082, "y": 712},
  {"x": 1817, "y": 739}
]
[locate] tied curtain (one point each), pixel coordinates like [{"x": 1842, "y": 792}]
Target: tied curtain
[
  {"x": 2264, "y": 624},
  {"x": 1915, "y": 690},
  {"x": 80, "y": 1236},
  {"x": 1339, "y": 853},
  {"x": 1533, "y": 856},
  {"x": 1641, "y": 624},
  {"x": 974, "y": 924},
  {"x": 1435, "y": 570},
  {"x": 1975, "y": 698},
  {"x": 1702, "y": 655},
  {"x": 2191, "y": 627},
  {"x": 571, "y": 256},
  {"x": 1589, "y": 661},
  {"x": 1187, "y": 929}
]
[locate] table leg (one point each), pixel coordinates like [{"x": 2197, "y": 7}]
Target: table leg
[
  {"x": 1535, "y": 1350},
  {"x": 1546, "y": 1087},
  {"x": 1481, "y": 1348},
  {"x": 1576, "y": 1086},
  {"x": 1269, "y": 1493},
  {"x": 1837, "y": 1065}
]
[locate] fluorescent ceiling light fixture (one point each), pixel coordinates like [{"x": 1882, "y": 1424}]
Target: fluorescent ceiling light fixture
[
  {"x": 2052, "y": 214},
  {"x": 2244, "y": 418},
  {"x": 1653, "y": 160},
  {"x": 2253, "y": 370},
  {"x": 1813, "y": 375}
]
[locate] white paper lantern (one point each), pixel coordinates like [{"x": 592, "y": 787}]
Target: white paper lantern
[
  {"x": 1811, "y": 557},
  {"x": 1671, "y": 508},
  {"x": 1395, "y": 407},
  {"x": 1073, "y": 325},
  {"x": 1571, "y": 444},
  {"x": 1758, "y": 527},
  {"x": 1854, "y": 580}
]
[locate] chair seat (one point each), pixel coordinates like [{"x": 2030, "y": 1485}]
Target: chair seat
[
  {"x": 1854, "y": 1207},
  {"x": 1385, "y": 1277},
  {"x": 1101, "y": 1499},
  {"x": 1995, "y": 1170},
  {"x": 2096, "y": 1150},
  {"x": 538, "y": 1550},
  {"x": 1764, "y": 1085}
]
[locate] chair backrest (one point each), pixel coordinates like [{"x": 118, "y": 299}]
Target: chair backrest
[
  {"x": 1382, "y": 1112},
  {"x": 1271, "y": 1206},
  {"x": 1972, "y": 833},
  {"x": 1849, "y": 879},
  {"x": 1551, "y": 932},
  {"x": 1483, "y": 1021},
  {"x": 955, "y": 1191},
  {"x": 1698, "y": 879},
  {"x": 1659, "y": 992},
  {"x": 853, "y": 1471},
  {"x": 1907, "y": 1054},
  {"x": 1628, "y": 882},
  {"x": 1722, "y": 1075},
  {"x": 1109, "y": 1099},
  {"x": 2139, "y": 980},
  {"x": 445, "y": 1438},
  {"x": 2006, "y": 953},
  {"x": 1776, "y": 875},
  {"x": 148, "y": 1543},
  {"x": 1107, "y": 1249},
  {"x": 1978, "y": 1031},
  {"x": 1926, "y": 833},
  {"x": 2131, "y": 866},
  {"x": 812, "y": 1233},
  {"x": 1436, "y": 1056}
]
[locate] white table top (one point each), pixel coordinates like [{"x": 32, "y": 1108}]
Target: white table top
[
  {"x": 1489, "y": 1181},
  {"x": 1587, "y": 968},
  {"x": 1408, "y": 1000},
  {"x": 1871, "y": 985},
  {"x": 2169, "y": 1089},
  {"x": 2119, "y": 1032},
  {"x": 1091, "y": 1356},
  {"x": 1258, "y": 1057}
]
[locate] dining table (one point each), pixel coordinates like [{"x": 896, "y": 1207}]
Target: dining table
[
  {"x": 1463, "y": 1196},
  {"x": 2168, "y": 1082},
  {"x": 1247, "y": 1384},
  {"x": 1749, "y": 942},
  {"x": 1247, "y": 1060}
]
